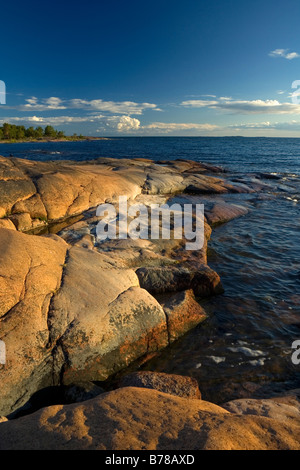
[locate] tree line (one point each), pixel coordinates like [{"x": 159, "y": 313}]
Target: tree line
[{"x": 13, "y": 132}]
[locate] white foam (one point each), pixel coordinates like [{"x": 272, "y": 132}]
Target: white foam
[
  {"x": 217, "y": 359},
  {"x": 258, "y": 362},
  {"x": 247, "y": 351}
]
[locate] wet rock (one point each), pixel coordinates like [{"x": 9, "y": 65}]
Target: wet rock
[
  {"x": 158, "y": 280},
  {"x": 183, "y": 313},
  {"x": 163, "y": 183},
  {"x": 178, "y": 385},
  {"x": 222, "y": 212}
]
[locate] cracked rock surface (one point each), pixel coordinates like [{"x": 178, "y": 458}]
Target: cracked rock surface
[{"x": 73, "y": 310}]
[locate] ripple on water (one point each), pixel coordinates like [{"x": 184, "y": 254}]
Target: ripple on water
[{"x": 244, "y": 347}]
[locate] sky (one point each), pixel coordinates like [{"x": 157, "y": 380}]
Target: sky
[{"x": 152, "y": 68}]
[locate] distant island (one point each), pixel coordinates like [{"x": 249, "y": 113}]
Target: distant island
[{"x": 10, "y": 133}]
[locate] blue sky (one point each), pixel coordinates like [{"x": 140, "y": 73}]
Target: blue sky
[{"x": 116, "y": 67}]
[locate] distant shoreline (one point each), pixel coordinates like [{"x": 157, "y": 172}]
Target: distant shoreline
[{"x": 66, "y": 139}]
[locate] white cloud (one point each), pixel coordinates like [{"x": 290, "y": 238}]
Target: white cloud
[
  {"x": 175, "y": 126},
  {"x": 51, "y": 120},
  {"x": 284, "y": 53},
  {"x": 122, "y": 123},
  {"x": 260, "y": 107},
  {"x": 116, "y": 107},
  {"x": 52, "y": 103},
  {"x": 246, "y": 106},
  {"x": 127, "y": 123},
  {"x": 286, "y": 126},
  {"x": 199, "y": 103},
  {"x": 119, "y": 107}
]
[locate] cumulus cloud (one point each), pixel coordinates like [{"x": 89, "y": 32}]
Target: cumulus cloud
[
  {"x": 127, "y": 123},
  {"x": 284, "y": 53},
  {"x": 120, "y": 124},
  {"x": 246, "y": 106}
]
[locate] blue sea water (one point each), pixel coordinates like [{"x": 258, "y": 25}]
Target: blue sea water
[
  {"x": 245, "y": 346},
  {"x": 237, "y": 153}
]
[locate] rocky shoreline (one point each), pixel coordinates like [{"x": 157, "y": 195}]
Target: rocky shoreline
[{"x": 75, "y": 311}]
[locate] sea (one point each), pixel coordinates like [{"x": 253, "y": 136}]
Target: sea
[{"x": 246, "y": 347}]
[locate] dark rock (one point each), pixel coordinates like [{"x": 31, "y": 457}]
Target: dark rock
[
  {"x": 158, "y": 280},
  {"x": 81, "y": 391},
  {"x": 178, "y": 385}
]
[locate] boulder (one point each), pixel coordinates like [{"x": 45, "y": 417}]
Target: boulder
[
  {"x": 178, "y": 385},
  {"x": 134, "y": 418},
  {"x": 282, "y": 408},
  {"x": 183, "y": 313},
  {"x": 221, "y": 212},
  {"x": 158, "y": 280}
]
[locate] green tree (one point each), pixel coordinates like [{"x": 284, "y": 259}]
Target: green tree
[
  {"x": 50, "y": 132},
  {"x": 20, "y": 132},
  {"x": 6, "y": 130},
  {"x": 30, "y": 132},
  {"x": 39, "y": 132}
]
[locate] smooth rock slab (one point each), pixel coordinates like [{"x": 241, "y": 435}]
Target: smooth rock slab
[
  {"x": 285, "y": 408},
  {"x": 101, "y": 320},
  {"x": 142, "y": 419},
  {"x": 30, "y": 273}
]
